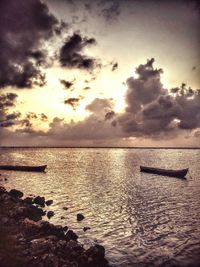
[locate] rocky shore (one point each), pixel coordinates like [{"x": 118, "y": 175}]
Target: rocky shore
[{"x": 28, "y": 241}]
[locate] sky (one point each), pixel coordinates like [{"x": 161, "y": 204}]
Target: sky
[{"x": 100, "y": 73}]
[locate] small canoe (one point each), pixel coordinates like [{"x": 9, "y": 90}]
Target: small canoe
[
  {"x": 172, "y": 173},
  {"x": 23, "y": 168}
]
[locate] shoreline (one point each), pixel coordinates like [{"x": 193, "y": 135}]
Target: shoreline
[{"x": 28, "y": 241}]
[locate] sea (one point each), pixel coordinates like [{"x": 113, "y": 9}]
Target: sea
[{"x": 142, "y": 220}]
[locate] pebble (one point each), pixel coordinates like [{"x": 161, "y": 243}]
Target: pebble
[
  {"x": 86, "y": 228},
  {"x": 39, "y": 201},
  {"x": 49, "y": 202},
  {"x": 80, "y": 217},
  {"x": 50, "y": 214}
]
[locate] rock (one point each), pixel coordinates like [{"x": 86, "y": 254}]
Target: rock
[
  {"x": 30, "y": 227},
  {"x": 16, "y": 193},
  {"x": 49, "y": 202},
  {"x": 65, "y": 228},
  {"x": 50, "y": 260},
  {"x": 65, "y": 208},
  {"x": 4, "y": 220},
  {"x": 5, "y": 179},
  {"x": 28, "y": 200},
  {"x": 50, "y": 214},
  {"x": 41, "y": 245},
  {"x": 70, "y": 235},
  {"x": 50, "y": 229},
  {"x": 62, "y": 217},
  {"x": 97, "y": 255},
  {"x": 39, "y": 201},
  {"x": 80, "y": 217},
  {"x": 30, "y": 212},
  {"x": 86, "y": 228}
]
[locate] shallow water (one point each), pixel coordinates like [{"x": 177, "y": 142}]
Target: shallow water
[{"x": 141, "y": 219}]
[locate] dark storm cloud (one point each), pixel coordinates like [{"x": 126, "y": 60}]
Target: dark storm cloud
[
  {"x": 24, "y": 27},
  {"x": 152, "y": 110},
  {"x": 71, "y": 53}
]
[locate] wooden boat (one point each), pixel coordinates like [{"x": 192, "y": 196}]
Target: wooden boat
[
  {"x": 23, "y": 168},
  {"x": 172, "y": 173}
]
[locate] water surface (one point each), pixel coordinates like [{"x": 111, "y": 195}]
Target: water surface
[{"x": 142, "y": 219}]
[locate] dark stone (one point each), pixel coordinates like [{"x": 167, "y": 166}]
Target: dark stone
[
  {"x": 28, "y": 200},
  {"x": 16, "y": 193},
  {"x": 5, "y": 179},
  {"x": 97, "y": 255},
  {"x": 49, "y": 202},
  {"x": 30, "y": 212},
  {"x": 39, "y": 201},
  {"x": 65, "y": 208},
  {"x": 65, "y": 228},
  {"x": 62, "y": 217},
  {"x": 50, "y": 229},
  {"x": 80, "y": 217},
  {"x": 86, "y": 228},
  {"x": 50, "y": 214},
  {"x": 70, "y": 235}
]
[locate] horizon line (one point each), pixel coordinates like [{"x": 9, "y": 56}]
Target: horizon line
[{"x": 109, "y": 147}]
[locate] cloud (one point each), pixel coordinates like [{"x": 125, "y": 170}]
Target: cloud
[
  {"x": 107, "y": 9},
  {"x": 109, "y": 115},
  {"x": 100, "y": 106},
  {"x": 153, "y": 110},
  {"x": 73, "y": 102},
  {"x": 152, "y": 113},
  {"x": 7, "y": 100},
  {"x": 24, "y": 28},
  {"x": 43, "y": 117},
  {"x": 114, "y": 66},
  {"x": 7, "y": 118},
  {"x": 86, "y": 88},
  {"x": 71, "y": 55},
  {"x": 110, "y": 9},
  {"x": 67, "y": 84}
]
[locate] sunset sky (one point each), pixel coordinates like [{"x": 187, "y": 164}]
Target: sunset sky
[{"x": 99, "y": 73}]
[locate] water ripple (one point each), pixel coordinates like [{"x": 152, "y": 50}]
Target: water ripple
[{"x": 142, "y": 219}]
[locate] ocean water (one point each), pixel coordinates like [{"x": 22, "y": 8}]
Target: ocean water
[{"x": 141, "y": 219}]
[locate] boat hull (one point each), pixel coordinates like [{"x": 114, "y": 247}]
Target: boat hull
[
  {"x": 172, "y": 173},
  {"x": 23, "y": 168}
]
